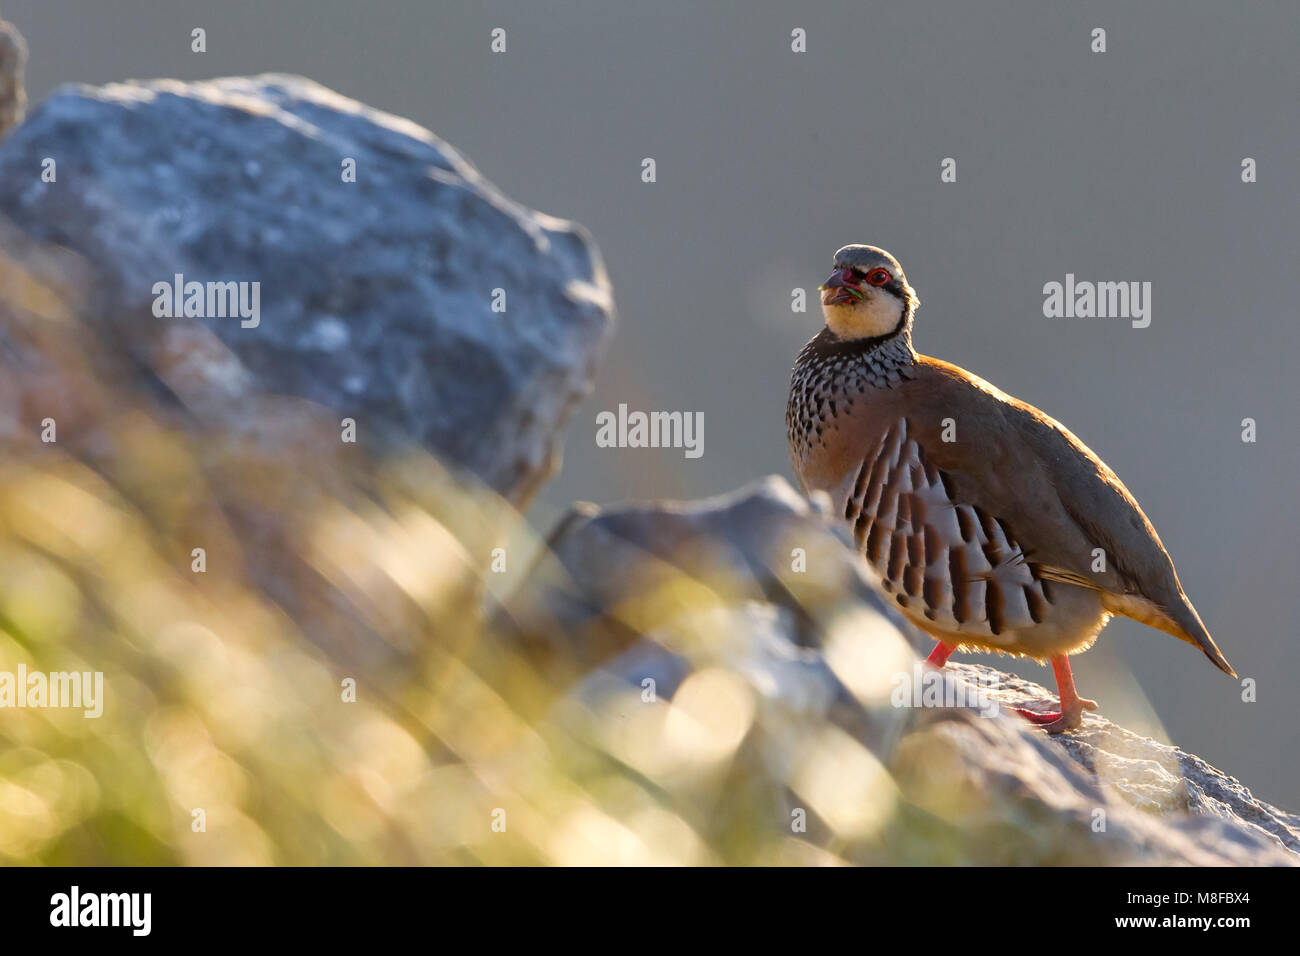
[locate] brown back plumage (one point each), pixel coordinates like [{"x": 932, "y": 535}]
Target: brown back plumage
[{"x": 1030, "y": 501}]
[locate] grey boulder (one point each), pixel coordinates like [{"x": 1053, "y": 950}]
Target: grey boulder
[
  {"x": 747, "y": 619},
  {"x": 376, "y": 296}
]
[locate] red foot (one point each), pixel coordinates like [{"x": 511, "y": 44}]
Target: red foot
[
  {"x": 939, "y": 656},
  {"x": 1070, "y": 716}
]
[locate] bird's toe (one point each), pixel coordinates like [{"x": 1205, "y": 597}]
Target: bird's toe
[
  {"x": 1057, "y": 722},
  {"x": 1068, "y": 720}
]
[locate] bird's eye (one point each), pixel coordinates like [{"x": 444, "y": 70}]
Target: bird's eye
[{"x": 878, "y": 276}]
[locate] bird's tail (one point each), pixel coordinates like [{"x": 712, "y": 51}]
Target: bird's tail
[
  {"x": 1178, "y": 618},
  {"x": 1194, "y": 632}
]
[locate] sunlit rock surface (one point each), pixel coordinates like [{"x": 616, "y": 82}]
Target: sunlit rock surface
[
  {"x": 376, "y": 296},
  {"x": 728, "y": 677}
]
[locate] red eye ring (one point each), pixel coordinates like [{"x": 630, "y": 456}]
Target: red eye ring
[{"x": 878, "y": 276}]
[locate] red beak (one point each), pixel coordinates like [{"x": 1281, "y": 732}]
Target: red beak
[{"x": 840, "y": 287}]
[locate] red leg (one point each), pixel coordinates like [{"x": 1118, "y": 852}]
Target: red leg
[
  {"x": 939, "y": 656},
  {"x": 1070, "y": 699},
  {"x": 1070, "y": 715}
]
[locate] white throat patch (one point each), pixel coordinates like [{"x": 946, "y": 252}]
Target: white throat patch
[{"x": 878, "y": 314}]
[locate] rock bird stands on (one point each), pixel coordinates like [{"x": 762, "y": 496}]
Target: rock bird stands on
[{"x": 981, "y": 514}]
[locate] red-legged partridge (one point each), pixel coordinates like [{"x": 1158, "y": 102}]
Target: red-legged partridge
[{"x": 982, "y": 515}]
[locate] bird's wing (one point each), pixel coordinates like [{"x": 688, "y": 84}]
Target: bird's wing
[
  {"x": 1038, "y": 496},
  {"x": 942, "y": 556}
]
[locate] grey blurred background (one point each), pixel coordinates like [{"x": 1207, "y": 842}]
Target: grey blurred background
[{"x": 1116, "y": 166}]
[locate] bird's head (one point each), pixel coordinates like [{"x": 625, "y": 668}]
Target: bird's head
[{"x": 867, "y": 295}]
